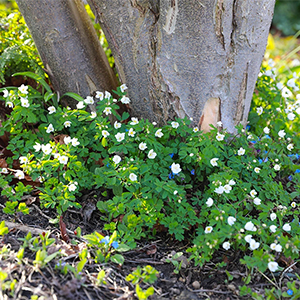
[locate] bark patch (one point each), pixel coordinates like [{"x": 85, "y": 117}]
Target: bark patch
[
  {"x": 171, "y": 17},
  {"x": 211, "y": 114}
]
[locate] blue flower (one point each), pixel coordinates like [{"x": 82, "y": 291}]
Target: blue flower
[
  {"x": 267, "y": 136},
  {"x": 107, "y": 165},
  {"x": 115, "y": 244},
  {"x": 261, "y": 161},
  {"x": 248, "y": 127},
  {"x": 290, "y": 178},
  {"x": 171, "y": 176},
  {"x": 290, "y": 292},
  {"x": 105, "y": 240},
  {"x": 297, "y": 171},
  {"x": 193, "y": 172},
  {"x": 171, "y": 154}
]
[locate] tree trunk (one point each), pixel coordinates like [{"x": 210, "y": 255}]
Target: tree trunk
[
  {"x": 195, "y": 58},
  {"x": 68, "y": 45}
]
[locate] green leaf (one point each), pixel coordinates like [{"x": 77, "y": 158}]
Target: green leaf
[
  {"x": 36, "y": 77},
  {"x": 118, "y": 190},
  {"x": 118, "y": 259},
  {"x": 123, "y": 248},
  {"x": 74, "y": 96},
  {"x": 48, "y": 96}
]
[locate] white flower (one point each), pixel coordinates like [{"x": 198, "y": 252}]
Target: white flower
[
  {"x": 50, "y": 128},
  {"x": 46, "y": 149},
  {"x": 4, "y": 171},
  {"x": 52, "y": 110},
  {"x": 132, "y": 177},
  {"x": 72, "y": 187},
  {"x": 253, "y": 244},
  {"x": 120, "y": 136},
  {"x": 56, "y": 155},
  {"x": 214, "y": 162},
  {"x": 220, "y": 137},
  {"x": 107, "y": 110},
  {"x": 277, "y": 167},
  {"x": 208, "y": 229},
  {"x": 279, "y": 85},
  {"x": 23, "y": 89},
  {"x": 175, "y": 168},
  {"x": 291, "y": 116},
  {"x": 134, "y": 121},
  {"x": 142, "y": 146},
  {"x": 273, "y": 228},
  {"x": 278, "y": 248},
  {"x": 257, "y": 201},
  {"x": 80, "y": 105},
  {"x": 75, "y": 142},
  {"x": 259, "y": 110},
  {"x": 231, "y": 220},
  {"x": 293, "y": 204},
  {"x": 227, "y": 188},
  {"x": 63, "y": 159},
  {"x": 175, "y": 124},
  {"x": 286, "y": 92},
  {"x": 93, "y": 115},
  {"x": 226, "y": 245},
  {"x": 159, "y": 133},
  {"x": 290, "y": 147},
  {"x": 281, "y": 133},
  {"x": 195, "y": 129},
  {"x": 231, "y": 182},
  {"x": 219, "y": 190},
  {"x": 209, "y": 202},
  {"x": 131, "y": 132},
  {"x": 175, "y": 192},
  {"x": 37, "y": 147},
  {"x": 250, "y": 226},
  {"x": 107, "y": 95},
  {"x": 10, "y": 104},
  {"x": 117, "y": 125},
  {"x": 20, "y": 174},
  {"x": 116, "y": 159},
  {"x": 123, "y": 87},
  {"x": 273, "y": 246},
  {"x": 253, "y": 193},
  {"x": 24, "y": 102},
  {"x": 219, "y": 124},
  {"x": 105, "y": 133},
  {"x": 99, "y": 95},
  {"x": 5, "y": 93},
  {"x": 266, "y": 130},
  {"x": 241, "y": 151},
  {"x": 67, "y": 124},
  {"x": 89, "y": 100},
  {"x": 248, "y": 238},
  {"x": 291, "y": 82},
  {"x": 273, "y": 216},
  {"x": 67, "y": 140},
  {"x": 125, "y": 100},
  {"x": 273, "y": 266},
  {"x": 151, "y": 154},
  {"x": 286, "y": 227},
  {"x": 257, "y": 170},
  {"x": 23, "y": 160}
]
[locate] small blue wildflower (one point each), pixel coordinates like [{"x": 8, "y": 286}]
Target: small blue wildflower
[
  {"x": 290, "y": 178},
  {"x": 248, "y": 127},
  {"x": 290, "y": 292},
  {"x": 171, "y": 154},
  {"x": 105, "y": 240},
  {"x": 171, "y": 176},
  {"x": 193, "y": 172},
  {"x": 297, "y": 171},
  {"x": 107, "y": 165},
  {"x": 115, "y": 244},
  {"x": 253, "y": 142},
  {"x": 126, "y": 129},
  {"x": 267, "y": 136},
  {"x": 61, "y": 264}
]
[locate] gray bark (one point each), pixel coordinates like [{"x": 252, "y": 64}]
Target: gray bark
[
  {"x": 196, "y": 58},
  {"x": 68, "y": 45}
]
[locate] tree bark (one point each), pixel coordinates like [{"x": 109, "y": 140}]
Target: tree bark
[
  {"x": 195, "y": 58},
  {"x": 68, "y": 45}
]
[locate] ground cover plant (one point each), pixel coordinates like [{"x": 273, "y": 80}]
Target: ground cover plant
[{"x": 227, "y": 198}]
